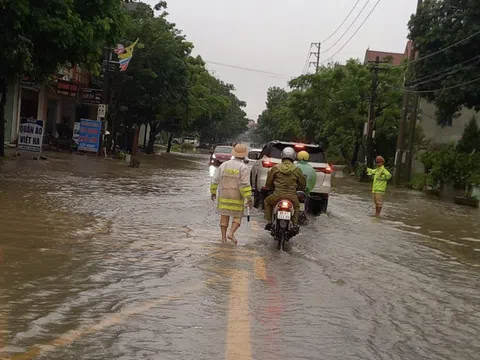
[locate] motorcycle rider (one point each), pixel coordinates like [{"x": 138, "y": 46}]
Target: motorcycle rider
[
  {"x": 285, "y": 180},
  {"x": 307, "y": 170}
]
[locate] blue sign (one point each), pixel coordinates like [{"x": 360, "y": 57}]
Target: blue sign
[{"x": 89, "y": 136}]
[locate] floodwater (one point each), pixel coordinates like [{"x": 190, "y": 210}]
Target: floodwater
[{"x": 101, "y": 261}]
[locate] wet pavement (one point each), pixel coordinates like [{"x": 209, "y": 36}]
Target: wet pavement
[{"x": 101, "y": 261}]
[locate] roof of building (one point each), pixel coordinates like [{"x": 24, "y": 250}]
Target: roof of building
[{"x": 394, "y": 58}]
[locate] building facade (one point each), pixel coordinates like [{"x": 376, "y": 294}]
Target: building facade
[{"x": 58, "y": 101}]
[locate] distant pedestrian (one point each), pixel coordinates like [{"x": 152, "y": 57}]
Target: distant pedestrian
[
  {"x": 380, "y": 178},
  {"x": 232, "y": 183}
]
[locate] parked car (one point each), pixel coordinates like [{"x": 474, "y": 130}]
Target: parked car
[
  {"x": 187, "y": 139},
  {"x": 271, "y": 155},
  {"x": 220, "y": 154}
]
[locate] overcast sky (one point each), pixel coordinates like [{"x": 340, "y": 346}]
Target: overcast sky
[{"x": 274, "y": 36}]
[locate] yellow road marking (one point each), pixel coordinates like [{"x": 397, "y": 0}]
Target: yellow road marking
[
  {"x": 110, "y": 320},
  {"x": 260, "y": 268},
  {"x": 232, "y": 249},
  {"x": 236, "y": 257},
  {"x": 239, "y": 346}
]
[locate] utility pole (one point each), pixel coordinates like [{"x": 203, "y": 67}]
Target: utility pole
[
  {"x": 411, "y": 136},
  {"x": 403, "y": 120},
  {"x": 317, "y": 56},
  {"x": 413, "y": 118},
  {"x": 106, "y": 87},
  {"x": 371, "y": 112}
]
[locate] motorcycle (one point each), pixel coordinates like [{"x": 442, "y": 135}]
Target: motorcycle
[
  {"x": 283, "y": 229},
  {"x": 302, "y": 217}
]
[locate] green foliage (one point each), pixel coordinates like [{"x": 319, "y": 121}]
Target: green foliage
[
  {"x": 361, "y": 171},
  {"x": 155, "y": 85},
  {"x": 449, "y": 165},
  {"x": 40, "y": 36},
  {"x": 470, "y": 140},
  {"x": 331, "y": 107},
  {"x": 164, "y": 82},
  {"x": 215, "y": 110},
  {"x": 437, "y": 25},
  {"x": 278, "y": 121},
  {"x": 417, "y": 182}
]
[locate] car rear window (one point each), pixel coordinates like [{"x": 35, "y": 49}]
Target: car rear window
[
  {"x": 223, "y": 149},
  {"x": 317, "y": 154}
]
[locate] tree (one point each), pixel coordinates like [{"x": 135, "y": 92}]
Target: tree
[
  {"x": 164, "y": 83},
  {"x": 278, "y": 121},
  {"x": 331, "y": 107},
  {"x": 470, "y": 141},
  {"x": 223, "y": 118},
  {"x": 155, "y": 86},
  {"x": 437, "y": 25},
  {"x": 39, "y": 37}
]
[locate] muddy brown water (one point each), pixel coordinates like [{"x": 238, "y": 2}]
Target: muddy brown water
[{"x": 101, "y": 261}]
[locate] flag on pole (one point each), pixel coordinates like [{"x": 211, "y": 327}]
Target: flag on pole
[
  {"x": 126, "y": 56},
  {"x": 120, "y": 49}
]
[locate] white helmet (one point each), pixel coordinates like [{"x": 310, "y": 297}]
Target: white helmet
[{"x": 289, "y": 153}]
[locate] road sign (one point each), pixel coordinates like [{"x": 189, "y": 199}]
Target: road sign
[
  {"x": 111, "y": 66},
  {"x": 91, "y": 96},
  {"x": 31, "y": 135},
  {"x": 102, "y": 111},
  {"x": 89, "y": 136}
]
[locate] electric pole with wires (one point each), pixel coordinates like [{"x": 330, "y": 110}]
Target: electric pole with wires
[
  {"x": 375, "y": 69},
  {"x": 413, "y": 120},
  {"x": 317, "y": 56},
  {"x": 399, "y": 155}
]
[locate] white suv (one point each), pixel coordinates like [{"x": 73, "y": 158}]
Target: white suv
[{"x": 271, "y": 155}]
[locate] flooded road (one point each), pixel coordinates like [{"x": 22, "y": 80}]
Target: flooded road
[{"x": 101, "y": 261}]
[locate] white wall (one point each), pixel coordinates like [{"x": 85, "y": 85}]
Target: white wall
[
  {"x": 438, "y": 134},
  {"x": 446, "y": 134}
]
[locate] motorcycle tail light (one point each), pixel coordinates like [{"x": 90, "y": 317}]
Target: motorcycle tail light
[
  {"x": 285, "y": 205},
  {"x": 267, "y": 164}
]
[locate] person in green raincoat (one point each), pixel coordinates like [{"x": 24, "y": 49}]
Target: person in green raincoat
[
  {"x": 380, "y": 179},
  {"x": 307, "y": 170}
]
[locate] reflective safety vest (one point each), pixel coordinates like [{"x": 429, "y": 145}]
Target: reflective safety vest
[
  {"x": 380, "y": 179},
  {"x": 231, "y": 183}
]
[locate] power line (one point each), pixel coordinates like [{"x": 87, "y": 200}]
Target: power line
[
  {"x": 355, "y": 33},
  {"x": 346, "y": 31},
  {"x": 307, "y": 60},
  {"x": 278, "y": 76},
  {"x": 443, "y": 73},
  {"x": 436, "y": 90},
  {"x": 439, "y": 51},
  {"x": 429, "y": 76},
  {"x": 343, "y": 22}
]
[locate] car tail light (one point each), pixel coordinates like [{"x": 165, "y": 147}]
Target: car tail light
[
  {"x": 326, "y": 170},
  {"x": 267, "y": 164},
  {"x": 299, "y": 146}
]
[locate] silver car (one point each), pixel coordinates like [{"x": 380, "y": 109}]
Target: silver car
[{"x": 270, "y": 156}]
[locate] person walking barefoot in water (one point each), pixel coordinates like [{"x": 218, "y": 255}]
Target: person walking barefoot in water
[
  {"x": 380, "y": 178},
  {"x": 232, "y": 184}
]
